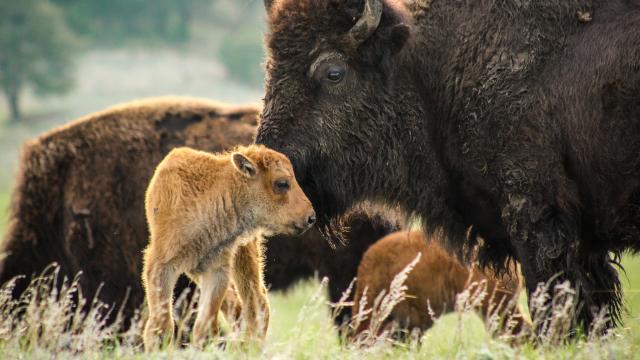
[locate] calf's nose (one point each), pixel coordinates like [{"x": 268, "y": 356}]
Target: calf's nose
[{"x": 312, "y": 218}]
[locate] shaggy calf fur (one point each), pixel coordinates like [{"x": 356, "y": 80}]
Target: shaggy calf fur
[
  {"x": 79, "y": 202},
  {"x": 207, "y": 215},
  {"x": 433, "y": 284}
]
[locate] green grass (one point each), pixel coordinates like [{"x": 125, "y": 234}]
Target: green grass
[
  {"x": 631, "y": 284},
  {"x": 286, "y": 308},
  {"x": 301, "y": 329},
  {"x": 453, "y": 335}
]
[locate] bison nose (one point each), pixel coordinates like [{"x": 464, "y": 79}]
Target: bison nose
[{"x": 312, "y": 218}]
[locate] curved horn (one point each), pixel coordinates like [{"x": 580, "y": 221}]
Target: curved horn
[
  {"x": 267, "y": 4},
  {"x": 367, "y": 24}
]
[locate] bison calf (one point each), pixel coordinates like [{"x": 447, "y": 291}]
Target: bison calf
[
  {"x": 433, "y": 284},
  {"x": 207, "y": 215}
]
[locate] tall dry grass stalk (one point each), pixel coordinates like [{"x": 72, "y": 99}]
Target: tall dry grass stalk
[
  {"x": 52, "y": 317},
  {"x": 552, "y": 322},
  {"x": 378, "y": 331}
]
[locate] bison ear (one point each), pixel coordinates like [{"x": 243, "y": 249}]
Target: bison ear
[
  {"x": 389, "y": 30},
  {"x": 244, "y": 165},
  {"x": 391, "y": 39},
  {"x": 396, "y": 36}
]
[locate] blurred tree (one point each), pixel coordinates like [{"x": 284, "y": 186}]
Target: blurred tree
[
  {"x": 241, "y": 50},
  {"x": 116, "y": 22},
  {"x": 241, "y": 53},
  {"x": 36, "y": 50}
]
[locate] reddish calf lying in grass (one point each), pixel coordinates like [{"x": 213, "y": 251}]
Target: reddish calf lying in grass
[
  {"x": 207, "y": 215},
  {"x": 432, "y": 286}
]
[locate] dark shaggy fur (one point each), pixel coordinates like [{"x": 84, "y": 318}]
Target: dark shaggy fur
[
  {"x": 79, "y": 201},
  {"x": 518, "y": 120}
]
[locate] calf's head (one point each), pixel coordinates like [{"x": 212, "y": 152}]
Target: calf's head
[
  {"x": 327, "y": 105},
  {"x": 277, "y": 202}
]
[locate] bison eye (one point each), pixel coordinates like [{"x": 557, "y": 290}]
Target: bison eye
[
  {"x": 281, "y": 186},
  {"x": 335, "y": 73}
]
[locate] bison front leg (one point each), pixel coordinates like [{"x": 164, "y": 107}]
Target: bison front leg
[
  {"x": 250, "y": 285},
  {"x": 547, "y": 242}
]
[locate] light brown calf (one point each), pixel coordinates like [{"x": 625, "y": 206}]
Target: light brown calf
[
  {"x": 434, "y": 283},
  {"x": 207, "y": 215}
]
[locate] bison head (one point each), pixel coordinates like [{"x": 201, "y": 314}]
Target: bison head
[{"x": 333, "y": 104}]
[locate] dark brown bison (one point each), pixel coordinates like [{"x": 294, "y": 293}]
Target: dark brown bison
[
  {"x": 79, "y": 201},
  {"x": 516, "y": 120},
  {"x": 433, "y": 285}
]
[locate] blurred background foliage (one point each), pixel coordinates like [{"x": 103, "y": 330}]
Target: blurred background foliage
[
  {"x": 117, "y": 22},
  {"x": 44, "y": 42},
  {"x": 36, "y": 50},
  {"x": 62, "y": 59}
]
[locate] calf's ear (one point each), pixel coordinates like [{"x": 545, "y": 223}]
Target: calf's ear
[{"x": 244, "y": 165}]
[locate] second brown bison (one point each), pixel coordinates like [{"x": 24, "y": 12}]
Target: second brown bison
[
  {"x": 79, "y": 201},
  {"x": 433, "y": 285}
]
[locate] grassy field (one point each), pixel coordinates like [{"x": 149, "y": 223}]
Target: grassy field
[
  {"x": 301, "y": 328},
  {"x": 454, "y": 335}
]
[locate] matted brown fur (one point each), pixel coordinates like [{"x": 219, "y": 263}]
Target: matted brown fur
[
  {"x": 79, "y": 201},
  {"x": 207, "y": 214},
  {"x": 433, "y": 284}
]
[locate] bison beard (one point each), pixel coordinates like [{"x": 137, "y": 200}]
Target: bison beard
[
  {"x": 516, "y": 122},
  {"x": 79, "y": 201}
]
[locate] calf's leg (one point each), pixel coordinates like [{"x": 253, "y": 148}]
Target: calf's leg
[
  {"x": 159, "y": 280},
  {"x": 213, "y": 284},
  {"x": 247, "y": 274}
]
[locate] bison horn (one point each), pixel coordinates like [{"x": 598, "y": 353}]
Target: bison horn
[
  {"x": 267, "y": 4},
  {"x": 367, "y": 24}
]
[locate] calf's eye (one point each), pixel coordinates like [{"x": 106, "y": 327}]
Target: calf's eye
[{"x": 281, "y": 186}]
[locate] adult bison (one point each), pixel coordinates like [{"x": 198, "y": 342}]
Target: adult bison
[
  {"x": 79, "y": 201},
  {"x": 516, "y": 120}
]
